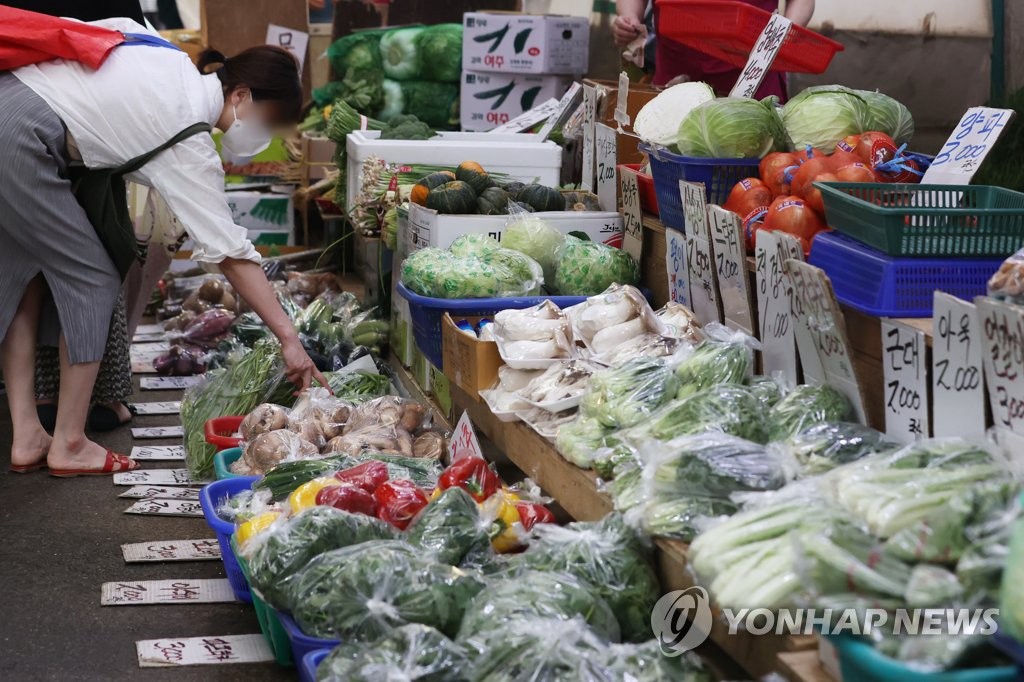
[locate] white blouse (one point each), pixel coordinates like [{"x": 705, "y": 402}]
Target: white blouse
[{"x": 138, "y": 99}]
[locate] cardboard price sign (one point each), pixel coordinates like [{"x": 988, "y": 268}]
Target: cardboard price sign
[
  {"x": 163, "y": 653},
  {"x": 464, "y": 442},
  {"x": 821, "y": 332},
  {"x": 166, "y": 592},
  {"x": 958, "y": 391},
  {"x": 168, "y": 383},
  {"x": 606, "y": 155},
  {"x": 968, "y": 145},
  {"x": 905, "y": 380},
  {"x": 699, "y": 260},
  {"x": 1002, "y": 338},
  {"x": 158, "y": 408},
  {"x": 153, "y": 506},
  {"x": 632, "y": 214},
  {"x": 171, "y": 550},
  {"x": 153, "y": 453},
  {"x": 778, "y": 343},
  {"x": 153, "y": 477},
  {"x": 621, "y": 112},
  {"x": 149, "y": 337},
  {"x": 675, "y": 265},
  {"x": 731, "y": 269},
  {"x": 589, "y": 115},
  {"x": 139, "y": 492},
  {"x": 762, "y": 56},
  {"x": 158, "y": 432}
]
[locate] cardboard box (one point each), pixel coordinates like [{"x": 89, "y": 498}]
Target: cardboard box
[
  {"x": 317, "y": 158},
  {"x": 402, "y": 341},
  {"x": 639, "y": 95},
  {"x": 429, "y": 228},
  {"x": 421, "y": 371},
  {"x": 262, "y": 211},
  {"x": 489, "y": 100},
  {"x": 524, "y": 43},
  {"x": 470, "y": 363}
]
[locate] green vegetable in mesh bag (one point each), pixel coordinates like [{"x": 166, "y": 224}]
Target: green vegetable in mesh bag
[
  {"x": 619, "y": 397},
  {"x": 824, "y": 446},
  {"x": 609, "y": 555},
  {"x": 413, "y": 653},
  {"x": 441, "y": 53},
  {"x": 587, "y": 268},
  {"x": 474, "y": 244},
  {"x": 538, "y": 594},
  {"x": 362, "y": 592},
  {"x": 579, "y": 440},
  {"x": 399, "y": 53},
  {"x": 732, "y": 128},
  {"x": 536, "y": 239},
  {"x": 280, "y": 552},
  {"x": 806, "y": 406},
  {"x": 436, "y": 104},
  {"x": 714, "y": 362},
  {"x": 449, "y": 527}
]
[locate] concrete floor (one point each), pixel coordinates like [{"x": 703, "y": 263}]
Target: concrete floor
[{"x": 61, "y": 539}]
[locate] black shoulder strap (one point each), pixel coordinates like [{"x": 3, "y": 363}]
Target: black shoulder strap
[{"x": 139, "y": 161}]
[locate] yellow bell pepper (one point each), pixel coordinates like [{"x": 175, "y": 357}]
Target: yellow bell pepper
[
  {"x": 507, "y": 528},
  {"x": 254, "y": 527},
  {"x": 304, "y": 496}
]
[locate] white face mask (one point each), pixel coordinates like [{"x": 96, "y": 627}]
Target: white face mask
[{"x": 245, "y": 139}]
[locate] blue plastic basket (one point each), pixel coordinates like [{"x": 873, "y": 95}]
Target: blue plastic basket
[
  {"x": 303, "y": 644},
  {"x": 718, "y": 176},
  {"x": 859, "y": 660},
  {"x": 427, "y": 314},
  {"x": 310, "y": 662},
  {"x": 889, "y": 286},
  {"x": 211, "y": 497},
  {"x": 222, "y": 462}
]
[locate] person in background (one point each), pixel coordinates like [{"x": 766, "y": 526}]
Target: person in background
[{"x": 676, "y": 61}]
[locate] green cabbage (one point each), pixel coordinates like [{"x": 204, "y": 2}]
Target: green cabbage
[
  {"x": 536, "y": 239},
  {"x": 889, "y": 116},
  {"x": 359, "y": 50},
  {"x": 588, "y": 268},
  {"x": 441, "y": 53},
  {"x": 474, "y": 244},
  {"x": 436, "y": 104},
  {"x": 440, "y": 274},
  {"x": 822, "y": 115},
  {"x": 399, "y": 54},
  {"x": 732, "y": 128}
]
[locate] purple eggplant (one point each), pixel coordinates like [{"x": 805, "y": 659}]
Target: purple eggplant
[{"x": 208, "y": 329}]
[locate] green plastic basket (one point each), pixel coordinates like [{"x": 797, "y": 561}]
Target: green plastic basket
[
  {"x": 270, "y": 624},
  {"x": 927, "y": 220}
]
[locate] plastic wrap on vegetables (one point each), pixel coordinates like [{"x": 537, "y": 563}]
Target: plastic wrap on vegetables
[
  {"x": 547, "y": 423},
  {"x": 823, "y": 447},
  {"x": 386, "y": 439},
  {"x": 386, "y": 411},
  {"x": 767, "y": 390},
  {"x": 560, "y": 386},
  {"x": 645, "y": 662},
  {"x": 680, "y": 322},
  {"x": 268, "y": 450},
  {"x": 613, "y": 318},
  {"x": 358, "y": 386},
  {"x": 266, "y": 417},
  {"x": 532, "y": 338},
  {"x": 416, "y": 653},
  {"x": 280, "y": 552},
  {"x": 619, "y": 397},
  {"x": 362, "y": 592},
  {"x": 534, "y": 237},
  {"x": 538, "y": 594},
  {"x": 580, "y": 440},
  {"x": 1008, "y": 282},
  {"x": 806, "y": 406},
  {"x": 586, "y": 268},
  {"x": 647, "y": 345},
  {"x": 449, "y": 527},
  {"x": 609, "y": 555},
  {"x": 724, "y": 358},
  {"x": 283, "y": 479}
]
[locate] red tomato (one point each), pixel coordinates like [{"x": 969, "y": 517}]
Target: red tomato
[
  {"x": 773, "y": 171},
  {"x": 855, "y": 172},
  {"x": 368, "y": 476},
  {"x": 747, "y": 195},
  {"x": 399, "y": 501},
  {"x": 808, "y": 173},
  {"x": 348, "y": 497},
  {"x": 792, "y": 215},
  {"x": 812, "y": 195},
  {"x": 531, "y": 513}
]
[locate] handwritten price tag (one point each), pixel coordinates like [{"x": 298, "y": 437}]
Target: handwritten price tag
[
  {"x": 905, "y": 381},
  {"x": 762, "y": 56},
  {"x": 149, "y": 329},
  {"x": 159, "y": 408},
  {"x": 171, "y": 550},
  {"x": 675, "y": 264},
  {"x": 695, "y": 209},
  {"x": 168, "y": 453},
  {"x": 622, "y": 102},
  {"x": 464, "y": 442},
  {"x": 166, "y": 592},
  {"x": 958, "y": 393},
  {"x": 151, "y": 506},
  {"x": 153, "y": 477},
  {"x": 632, "y": 214},
  {"x": 606, "y": 160},
  {"x": 1002, "y": 337},
  {"x": 589, "y": 115},
  {"x": 968, "y": 145},
  {"x": 699, "y": 261},
  {"x": 149, "y": 337},
  {"x": 731, "y": 269},
  {"x": 773, "y": 307},
  {"x": 158, "y": 432},
  {"x": 139, "y": 492},
  {"x": 162, "y": 653},
  {"x": 168, "y": 383}
]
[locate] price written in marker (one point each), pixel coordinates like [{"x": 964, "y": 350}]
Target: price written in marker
[
  {"x": 906, "y": 383},
  {"x": 1002, "y": 337},
  {"x": 171, "y": 550},
  {"x": 158, "y": 408},
  {"x": 731, "y": 269},
  {"x": 150, "y": 506},
  {"x": 166, "y": 592},
  {"x": 168, "y": 453},
  {"x": 632, "y": 214},
  {"x": 168, "y": 383},
  {"x": 158, "y": 432},
  {"x": 968, "y": 145},
  {"x": 153, "y": 477},
  {"x": 762, "y": 56},
  {"x": 699, "y": 263},
  {"x": 161, "y": 653},
  {"x": 773, "y": 304},
  {"x": 605, "y": 160},
  {"x": 149, "y": 337},
  {"x": 139, "y": 492},
  {"x": 958, "y": 391},
  {"x": 589, "y": 116},
  {"x": 464, "y": 442},
  {"x": 675, "y": 265}
]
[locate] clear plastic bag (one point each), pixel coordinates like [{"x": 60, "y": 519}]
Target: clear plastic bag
[
  {"x": 266, "y": 417},
  {"x": 612, "y": 318},
  {"x": 680, "y": 322},
  {"x": 1008, "y": 282},
  {"x": 806, "y": 406},
  {"x": 824, "y": 446},
  {"x": 585, "y": 268},
  {"x": 449, "y": 528},
  {"x": 725, "y": 357},
  {"x": 620, "y": 397},
  {"x": 386, "y": 411},
  {"x": 580, "y": 441},
  {"x": 529, "y": 234},
  {"x": 385, "y": 439},
  {"x": 270, "y": 449},
  {"x": 440, "y": 274},
  {"x": 559, "y": 387},
  {"x": 412, "y": 653},
  {"x": 532, "y": 337}
]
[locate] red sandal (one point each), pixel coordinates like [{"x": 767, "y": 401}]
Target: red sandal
[
  {"x": 114, "y": 464},
  {"x": 28, "y": 468}
]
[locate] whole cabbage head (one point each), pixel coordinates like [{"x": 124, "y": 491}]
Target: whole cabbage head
[
  {"x": 732, "y": 128},
  {"x": 658, "y": 121},
  {"x": 587, "y": 268},
  {"x": 889, "y": 116},
  {"x": 822, "y": 115},
  {"x": 535, "y": 238}
]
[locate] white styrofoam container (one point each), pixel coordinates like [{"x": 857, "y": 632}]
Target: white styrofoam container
[
  {"x": 518, "y": 155},
  {"x": 547, "y": 44},
  {"x": 488, "y": 100},
  {"x": 427, "y": 227},
  {"x": 262, "y": 211}
]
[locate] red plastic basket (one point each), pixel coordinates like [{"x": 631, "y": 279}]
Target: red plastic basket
[
  {"x": 645, "y": 183},
  {"x": 728, "y": 30},
  {"x": 220, "y": 432}
]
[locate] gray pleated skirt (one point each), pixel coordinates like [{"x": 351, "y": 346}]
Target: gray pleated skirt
[{"x": 44, "y": 230}]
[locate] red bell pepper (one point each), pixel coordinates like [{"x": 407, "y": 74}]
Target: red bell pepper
[
  {"x": 531, "y": 513},
  {"x": 369, "y": 476},
  {"x": 348, "y": 497},
  {"x": 398, "y": 502},
  {"x": 472, "y": 474}
]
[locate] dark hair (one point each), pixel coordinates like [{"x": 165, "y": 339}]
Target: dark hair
[{"x": 271, "y": 73}]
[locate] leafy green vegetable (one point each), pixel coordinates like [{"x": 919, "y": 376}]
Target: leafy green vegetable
[
  {"x": 440, "y": 274},
  {"x": 360, "y": 50},
  {"x": 399, "y": 53},
  {"x": 824, "y": 446},
  {"x": 714, "y": 362},
  {"x": 619, "y": 397},
  {"x": 889, "y": 116},
  {"x": 579, "y": 440},
  {"x": 537, "y": 239},
  {"x": 436, "y": 104},
  {"x": 822, "y": 115},
  {"x": 766, "y": 390},
  {"x": 732, "y": 128},
  {"x": 415, "y": 653},
  {"x": 440, "y": 48},
  {"x": 287, "y": 476},
  {"x": 406, "y": 127},
  {"x": 449, "y": 527},
  {"x": 358, "y": 386},
  {"x": 806, "y": 406},
  {"x": 728, "y": 408},
  {"x": 646, "y": 663},
  {"x": 588, "y": 268}
]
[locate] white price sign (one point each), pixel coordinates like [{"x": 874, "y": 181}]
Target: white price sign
[
  {"x": 171, "y": 550},
  {"x": 589, "y": 115},
  {"x": 149, "y": 329},
  {"x": 528, "y": 119},
  {"x": 1002, "y": 338},
  {"x": 155, "y": 506},
  {"x": 149, "y": 337},
  {"x": 762, "y": 56},
  {"x": 731, "y": 269},
  {"x": 821, "y": 332},
  {"x": 159, "y": 408},
  {"x": 778, "y": 352},
  {"x": 905, "y": 382},
  {"x": 606, "y": 155},
  {"x": 699, "y": 261},
  {"x": 622, "y": 101},
  {"x": 158, "y": 432},
  {"x": 289, "y": 39},
  {"x": 695, "y": 209},
  {"x": 150, "y": 347},
  {"x": 158, "y": 452},
  {"x": 968, "y": 145},
  {"x": 164, "y": 653},
  {"x": 168, "y": 383},
  {"x": 166, "y": 592},
  {"x": 153, "y": 477},
  {"x": 675, "y": 265},
  {"x": 139, "y": 492},
  {"x": 464, "y": 442},
  {"x": 958, "y": 389},
  {"x": 632, "y": 214}
]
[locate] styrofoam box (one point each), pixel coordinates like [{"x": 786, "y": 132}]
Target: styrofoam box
[
  {"x": 488, "y": 100},
  {"x": 520, "y": 156},
  {"x": 547, "y": 44},
  {"x": 429, "y": 228},
  {"x": 262, "y": 211}
]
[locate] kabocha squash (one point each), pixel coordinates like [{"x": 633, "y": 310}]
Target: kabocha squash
[
  {"x": 513, "y": 188},
  {"x": 581, "y": 201},
  {"x": 541, "y": 198},
  {"x": 473, "y": 174},
  {"x": 493, "y": 201},
  {"x": 452, "y": 197},
  {"x": 422, "y": 188}
]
